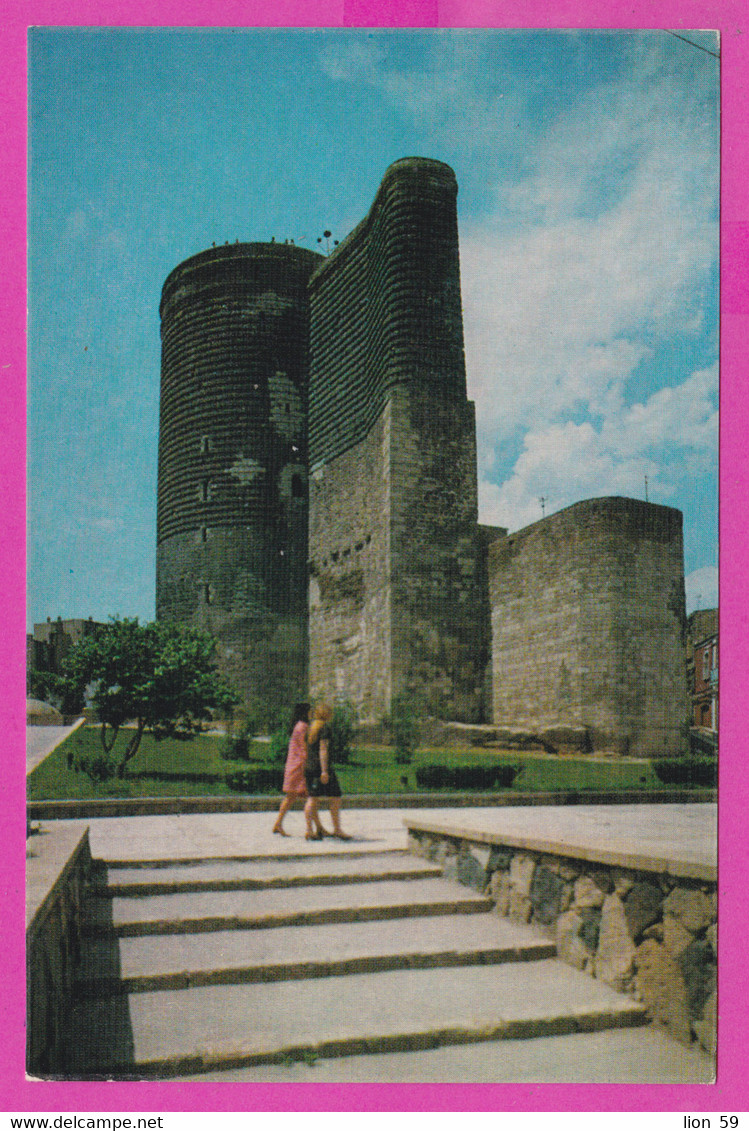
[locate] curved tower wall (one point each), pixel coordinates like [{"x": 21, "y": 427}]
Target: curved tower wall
[
  {"x": 588, "y": 626},
  {"x": 232, "y": 478},
  {"x": 398, "y": 597}
]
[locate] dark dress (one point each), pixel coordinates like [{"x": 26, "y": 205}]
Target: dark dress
[{"x": 313, "y": 769}]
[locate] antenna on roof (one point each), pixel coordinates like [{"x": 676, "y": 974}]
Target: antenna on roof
[{"x": 326, "y": 236}]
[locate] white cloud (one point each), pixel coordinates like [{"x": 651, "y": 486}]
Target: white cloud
[
  {"x": 566, "y": 462},
  {"x": 593, "y": 253},
  {"x": 702, "y": 588}
]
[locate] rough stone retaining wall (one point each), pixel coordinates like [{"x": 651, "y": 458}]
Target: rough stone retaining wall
[
  {"x": 650, "y": 935},
  {"x": 58, "y": 865}
]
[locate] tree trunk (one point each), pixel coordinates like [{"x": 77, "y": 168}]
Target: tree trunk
[
  {"x": 107, "y": 744},
  {"x": 132, "y": 748}
]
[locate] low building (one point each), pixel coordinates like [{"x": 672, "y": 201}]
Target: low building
[
  {"x": 705, "y": 685},
  {"x": 702, "y": 667},
  {"x": 51, "y": 641}
]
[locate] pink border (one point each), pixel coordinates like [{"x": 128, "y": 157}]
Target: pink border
[{"x": 730, "y": 1092}]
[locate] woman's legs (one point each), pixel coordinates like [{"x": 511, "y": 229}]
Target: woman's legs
[
  {"x": 285, "y": 806},
  {"x": 311, "y": 817},
  {"x": 315, "y": 828},
  {"x": 334, "y": 805}
]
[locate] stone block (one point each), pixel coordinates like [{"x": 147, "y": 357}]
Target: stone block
[
  {"x": 500, "y": 891},
  {"x": 675, "y": 936},
  {"x": 546, "y": 894},
  {"x": 692, "y": 908},
  {"x": 622, "y": 883},
  {"x": 642, "y": 907},
  {"x": 445, "y": 850},
  {"x": 567, "y": 737},
  {"x": 712, "y": 937},
  {"x": 521, "y": 908},
  {"x": 590, "y": 930},
  {"x": 466, "y": 869},
  {"x": 699, "y": 973},
  {"x": 500, "y": 858},
  {"x": 616, "y": 951},
  {"x": 604, "y": 880},
  {"x": 571, "y": 946},
  {"x": 587, "y": 893},
  {"x": 706, "y": 1028},
  {"x": 662, "y": 989},
  {"x": 521, "y": 874}
]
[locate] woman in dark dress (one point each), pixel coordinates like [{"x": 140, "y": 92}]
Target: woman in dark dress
[{"x": 321, "y": 778}]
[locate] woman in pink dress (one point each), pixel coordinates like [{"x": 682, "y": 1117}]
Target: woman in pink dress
[{"x": 294, "y": 784}]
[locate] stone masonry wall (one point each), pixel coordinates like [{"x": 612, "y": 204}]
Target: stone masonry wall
[
  {"x": 232, "y": 479},
  {"x": 398, "y": 592},
  {"x": 58, "y": 870},
  {"x": 438, "y": 558},
  {"x": 588, "y": 621},
  {"x": 397, "y": 565},
  {"x": 650, "y": 935},
  {"x": 349, "y": 598}
]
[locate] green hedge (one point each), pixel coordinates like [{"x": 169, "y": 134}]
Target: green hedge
[
  {"x": 438, "y": 776},
  {"x": 687, "y": 771},
  {"x": 263, "y": 779}
]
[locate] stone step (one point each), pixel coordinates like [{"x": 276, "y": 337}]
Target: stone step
[
  {"x": 176, "y": 1033},
  {"x": 250, "y": 910},
  {"x": 264, "y": 874},
  {"x": 137, "y": 965},
  {"x": 641, "y": 1056}
]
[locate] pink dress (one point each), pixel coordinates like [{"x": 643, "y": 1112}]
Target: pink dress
[{"x": 293, "y": 778}]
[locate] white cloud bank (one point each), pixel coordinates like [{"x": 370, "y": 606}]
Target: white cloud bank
[
  {"x": 596, "y": 258},
  {"x": 594, "y": 253},
  {"x": 702, "y": 588},
  {"x": 670, "y": 436}
]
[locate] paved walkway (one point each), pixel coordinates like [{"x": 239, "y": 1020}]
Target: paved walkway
[
  {"x": 41, "y": 741},
  {"x": 660, "y": 834},
  {"x": 681, "y": 840}
]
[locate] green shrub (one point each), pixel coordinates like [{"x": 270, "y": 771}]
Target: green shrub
[
  {"x": 278, "y": 748},
  {"x": 96, "y": 767},
  {"x": 404, "y": 727},
  {"x": 439, "y": 776},
  {"x": 687, "y": 771},
  {"x": 342, "y": 729},
  {"x": 236, "y": 746},
  {"x": 260, "y": 779}
]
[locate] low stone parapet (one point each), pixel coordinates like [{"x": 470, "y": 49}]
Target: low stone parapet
[
  {"x": 58, "y": 862},
  {"x": 646, "y": 932}
]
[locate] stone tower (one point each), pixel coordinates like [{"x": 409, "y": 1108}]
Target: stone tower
[
  {"x": 232, "y": 478},
  {"x": 398, "y": 598},
  {"x": 589, "y": 623}
]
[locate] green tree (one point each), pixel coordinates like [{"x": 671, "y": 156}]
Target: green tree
[
  {"x": 342, "y": 728},
  {"x": 403, "y": 722},
  {"x": 161, "y": 677}
]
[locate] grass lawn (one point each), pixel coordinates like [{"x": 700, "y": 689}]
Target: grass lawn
[{"x": 173, "y": 768}]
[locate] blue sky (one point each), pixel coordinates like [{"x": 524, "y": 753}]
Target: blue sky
[{"x": 587, "y": 164}]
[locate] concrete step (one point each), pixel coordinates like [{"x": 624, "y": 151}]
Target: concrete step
[
  {"x": 251, "y": 910},
  {"x": 641, "y": 1056},
  {"x": 176, "y": 1033},
  {"x": 137, "y": 965},
  {"x": 259, "y": 875}
]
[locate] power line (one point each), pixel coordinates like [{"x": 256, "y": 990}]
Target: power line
[{"x": 699, "y": 47}]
